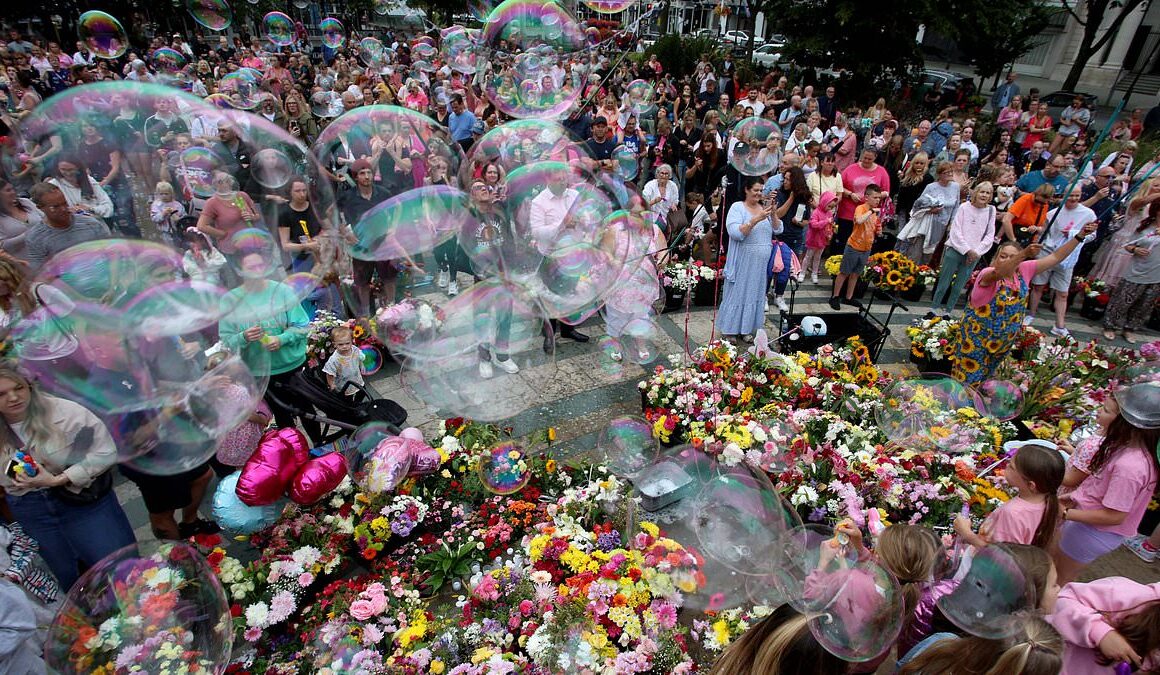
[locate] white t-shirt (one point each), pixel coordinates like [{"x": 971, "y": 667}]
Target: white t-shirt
[{"x": 345, "y": 369}]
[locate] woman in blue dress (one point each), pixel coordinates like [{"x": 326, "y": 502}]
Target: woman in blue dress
[{"x": 750, "y": 224}]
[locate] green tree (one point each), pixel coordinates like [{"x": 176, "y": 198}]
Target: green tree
[
  {"x": 876, "y": 44},
  {"x": 1091, "y": 15},
  {"x": 993, "y": 35}
]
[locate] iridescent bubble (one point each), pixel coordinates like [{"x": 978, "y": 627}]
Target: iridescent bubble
[
  {"x": 592, "y": 34},
  {"x": 627, "y": 445},
  {"x": 640, "y": 96},
  {"x": 626, "y": 163},
  {"x": 994, "y": 590},
  {"x": 213, "y": 14},
  {"x": 914, "y": 406},
  {"x": 640, "y": 338},
  {"x": 424, "y": 51},
  {"x": 333, "y": 34},
  {"x": 103, "y": 34},
  {"x": 271, "y": 168},
  {"x": 459, "y": 51},
  {"x": 504, "y": 468},
  {"x": 372, "y": 359},
  {"x": 804, "y": 553},
  {"x": 518, "y": 143},
  {"x": 1001, "y": 399},
  {"x": 526, "y": 39},
  {"x": 326, "y": 104},
  {"x": 608, "y": 6},
  {"x": 167, "y": 60},
  {"x": 739, "y": 518},
  {"x": 755, "y": 151},
  {"x": 480, "y": 9},
  {"x": 150, "y": 593},
  {"x": 242, "y": 89},
  {"x": 866, "y": 615},
  {"x": 370, "y": 52},
  {"x": 411, "y": 223},
  {"x": 198, "y": 165},
  {"x": 279, "y": 29}
]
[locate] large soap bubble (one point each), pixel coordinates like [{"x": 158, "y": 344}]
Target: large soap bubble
[
  {"x": 156, "y": 605},
  {"x": 102, "y": 34},
  {"x": 914, "y": 406},
  {"x": 994, "y": 591},
  {"x": 627, "y": 445},
  {"x": 333, "y": 34},
  {"x": 752, "y": 150},
  {"x": 279, "y": 29},
  {"x": 865, "y": 616},
  {"x": 518, "y": 143},
  {"x": 525, "y": 39},
  {"x": 458, "y": 50},
  {"x": 504, "y": 468},
  {"x": 213, "y": 14},
  {"x": 1001, "y": 399}
]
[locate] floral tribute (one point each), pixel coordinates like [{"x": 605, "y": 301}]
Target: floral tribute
[
  {"x": 891, "y": 271},
  {"x": 684, "y": 275},
  {"x": 319, "y": 344},
  {"x": 444, "y": 575}
]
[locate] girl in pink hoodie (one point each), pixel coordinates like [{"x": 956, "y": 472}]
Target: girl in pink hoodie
[
  {"x": 818, "y": 235},
  {"x": 1107, "y": 622}
]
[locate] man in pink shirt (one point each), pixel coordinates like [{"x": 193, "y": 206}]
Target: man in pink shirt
[
  {"x": 855, "y": 178},
  {"x": 549, "y": 217}
]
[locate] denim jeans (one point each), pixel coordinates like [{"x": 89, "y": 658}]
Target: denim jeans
[
  {"x": 954, "y": 266},
  {"x": 72, "y": 535}
]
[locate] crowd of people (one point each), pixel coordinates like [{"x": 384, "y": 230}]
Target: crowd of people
[{"x": 1006, "y": 210}]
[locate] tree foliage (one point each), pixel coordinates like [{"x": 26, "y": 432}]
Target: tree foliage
[
  {"x": 995, "y": 35},
  {"x": 1091, "y": 15}
]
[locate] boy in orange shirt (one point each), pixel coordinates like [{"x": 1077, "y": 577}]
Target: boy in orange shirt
[{"x": 867, "y": 226}]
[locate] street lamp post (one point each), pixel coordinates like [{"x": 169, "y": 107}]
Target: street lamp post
[{"x": 57, "y": 21}]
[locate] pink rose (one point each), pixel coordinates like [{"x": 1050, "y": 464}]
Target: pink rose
[{"x": 362, "y": 609}]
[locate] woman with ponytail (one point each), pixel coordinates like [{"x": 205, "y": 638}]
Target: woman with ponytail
[{"x": 1034, "y": 649}]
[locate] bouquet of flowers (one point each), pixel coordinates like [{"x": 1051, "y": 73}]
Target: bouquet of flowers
[
  {"x": 156, "y": 610},
  {"x": 833, "y": 265},
  {"x": 927, "y": 276},
  {"x": 740, "y": 438},
  {"x": 406, "y": 319},
  {"x": 931, "y": 339},
  {"x": 319, "y": 344},
  {"x": 685, "y": 275},
  {"x": 891, "y": 271}
]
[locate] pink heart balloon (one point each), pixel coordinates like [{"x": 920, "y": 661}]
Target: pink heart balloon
[
  {"x": 317, "y": 478},
  {"x": 271, "y": 467}
]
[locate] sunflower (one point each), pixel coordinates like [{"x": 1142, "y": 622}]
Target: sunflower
[
  {"x": 861, "y": 353},
  {"x": 917, "y": 351},
  {"x": 984, "y": 311},
  {"x": 893, "y": 278},
  {"x": 994, "y": 346},
  {"x": 968, "y": 365}
]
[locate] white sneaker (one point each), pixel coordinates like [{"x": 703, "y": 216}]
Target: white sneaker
[
  {"x": 507, "y": 365},
  {"x": 1060, "y": 332},
  {"x": 616, "y": 356},
  {"x": 814, "y": 279},
  {"x": 1028, "y": 320},
  {"x": 766, "y": 310},
  {"x": 781, "y": 304},
  {"x": 801, "y": 276},
  {"x": 443, "y": 278},
  {"x": 485, "y": 370},
  {"x": 452, "y": 289}
]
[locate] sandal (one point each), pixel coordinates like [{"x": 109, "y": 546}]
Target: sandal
[{"x": 1109, "y": 335}]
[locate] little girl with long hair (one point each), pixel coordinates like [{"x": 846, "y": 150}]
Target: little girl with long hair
[
  {"x": 1030, "y": 517},
  {"x": 1107, "y": 622},
  {"x": 916, "y": 557},
  {"x": 780, "y": 644},
  {"x": 821, "y": 229}
]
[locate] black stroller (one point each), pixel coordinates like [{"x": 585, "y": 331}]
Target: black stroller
[{"x": 337, "y": 413}]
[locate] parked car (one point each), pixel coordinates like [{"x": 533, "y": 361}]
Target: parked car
[
  {"x": 705, "y": 33},
  {"x": 777, "y": 40},
  {"x": 740, "y": 37},
  {"x": 946, "y": 79},
  {"x": 767, "y": 56},
  {"x": 1058, "y": 100}
]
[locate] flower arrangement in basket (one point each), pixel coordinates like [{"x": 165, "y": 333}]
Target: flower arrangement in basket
[
  {"x": 930, "y": 339},
  {"x": 891, "y": 271},
  {"x": 319, "y": 344},
  {"x": 684, "y": 275},
  {"x": 927, "y": 276}
]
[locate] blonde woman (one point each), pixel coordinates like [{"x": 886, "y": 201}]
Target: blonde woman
[
  {"x": 68, "y": 506},
  {"x": 912, "y": 180},
  {"x": 779, "y": 643}
]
